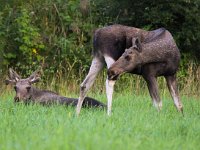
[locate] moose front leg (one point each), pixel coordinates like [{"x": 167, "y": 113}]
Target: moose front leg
[
  {"x": 153, "y": 90},
  {"x": 172, "y": 85},
  {"x": 109, "y": 84},
  {"x": 109, "y": 92}
]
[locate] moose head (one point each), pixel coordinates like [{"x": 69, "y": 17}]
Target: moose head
[
  {"x": 22, "y": 87},
  {"x": 128, "y": 61}
]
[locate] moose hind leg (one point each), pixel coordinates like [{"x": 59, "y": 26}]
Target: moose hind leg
[
  {"x": 153, "y": 91},
  {"x": 172, "y": 85},
  {"x": 95, "y": 68}
]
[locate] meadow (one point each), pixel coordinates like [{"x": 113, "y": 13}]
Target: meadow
[
  {"x": 134, "y": 124},
  {"x": 57, "y": 35}
]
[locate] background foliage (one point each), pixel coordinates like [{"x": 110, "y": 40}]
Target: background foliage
[{"x": 57, "y": 34}]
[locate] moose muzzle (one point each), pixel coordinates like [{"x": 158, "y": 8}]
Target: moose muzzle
[{"x": 113, "y": 73}]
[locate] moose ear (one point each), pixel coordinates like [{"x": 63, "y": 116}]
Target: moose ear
[
  {"x": 136, "y": 44},
  {"x": 35, "y": 77},
  {"x": 13, "y": 75},
  {"x": 7, "y": 81}
]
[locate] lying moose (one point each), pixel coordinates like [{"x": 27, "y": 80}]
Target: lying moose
[
  {"x": 150, "y": 54},
  {"x": 26, "y": 93}
]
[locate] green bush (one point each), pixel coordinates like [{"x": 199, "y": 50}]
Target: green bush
[
  {"x": 53, "y": 34},
  {"x": 57, "y": 34}
]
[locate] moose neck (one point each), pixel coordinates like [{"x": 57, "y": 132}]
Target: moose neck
[
  {"x": 35, "y": 92},
  {"x": 39, "y": 95},
  {"x": 156, "y": 52},
  {"x": 150, "y": 57}
]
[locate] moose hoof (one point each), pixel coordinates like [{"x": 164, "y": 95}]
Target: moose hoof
[
  {"x": 180, "y": 109},
  {"x": 158, "y": 105}
]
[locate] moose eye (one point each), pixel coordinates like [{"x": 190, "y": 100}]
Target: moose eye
[
  {"x": 28, "y": 88},
  {"x": 127, "y": 57},
  {"x": 130, "y": 52},
  {"x": 15, "y": 87}
]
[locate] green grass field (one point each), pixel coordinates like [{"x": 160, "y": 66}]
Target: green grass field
[{"x": 134, "y": 124}]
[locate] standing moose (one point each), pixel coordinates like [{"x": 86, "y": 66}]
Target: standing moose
[{"x": 150, "y": 54}]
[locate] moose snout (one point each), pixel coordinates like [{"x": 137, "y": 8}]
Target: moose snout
[
  {"x": 19, "y": 98},
  {"x": 113, "y": 74}
]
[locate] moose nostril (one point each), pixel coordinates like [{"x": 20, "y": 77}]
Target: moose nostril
[
  {"x": 110, "y": 72},
  {"x": 113, "y": 72},
  {"x": 16, "y": 99}
]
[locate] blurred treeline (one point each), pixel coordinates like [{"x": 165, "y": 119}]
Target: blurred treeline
[{"x": 57, "y": 34}]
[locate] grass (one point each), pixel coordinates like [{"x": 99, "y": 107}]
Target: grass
[{"x": 134, "y": 124}]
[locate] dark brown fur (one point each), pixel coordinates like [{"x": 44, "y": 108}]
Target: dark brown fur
[
  {"x": 156, "y": 55},
  {"x": 113, "y": 40}
]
